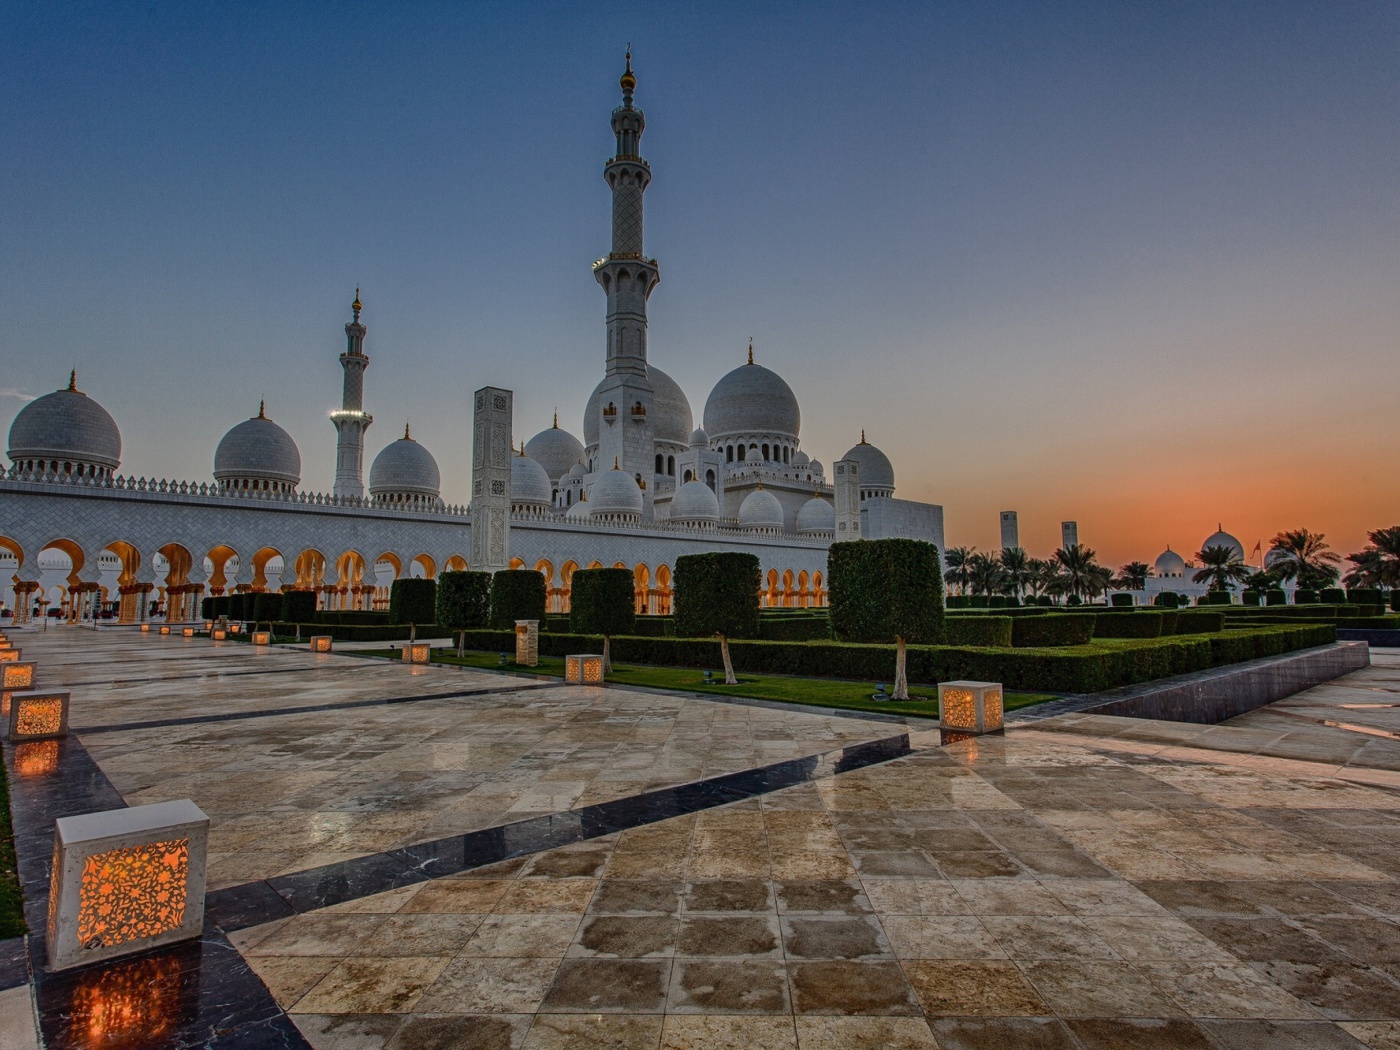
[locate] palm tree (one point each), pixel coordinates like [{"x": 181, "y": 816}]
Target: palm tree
[
  {"x": 984, "y": 574},
  {"x": 1222, "y": 567},
  {"x": 1078, "y": 568},
  {"x": 1378, "y": 563},
  {"x": 1305, "y": 556},
  {"x": 956, "y": 559},
  {"x": 1016, "y": 568},
  {"x": 1039, "y": 575},
  {"x": 1100, "y": 581},
  {"x": 1133, "y": 576}
]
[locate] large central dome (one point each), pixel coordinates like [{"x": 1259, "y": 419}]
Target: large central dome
[
  {"x": 66, "y": 427},
  {"x": 752, "y": 401},
  {"x": 257, "y": 454},
  {"x": 671, "y": 418}
]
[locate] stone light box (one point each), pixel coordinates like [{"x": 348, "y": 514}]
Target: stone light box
[
  {"x": 219, "y": 634},
  {"x": 125, "y": 881},
  {"x": 38, "y": 715},
  {"x": 320, "y": 643},
  {"x": 145, "y": 628},
  {"x": 188, "y": 632},
  {"x": 262, "y": 637},
  {"x": 9, "y": 655},
  {"x": 14, "y": 676},
  {"x": 527, "y": 642},
  {"x": 417, "y": 653},
  {"x": 970, "y": 707},
  {"x": 234, "y": 628},
  {"x": 584, "y": 669},
  {"x": 164, "y": 629}
]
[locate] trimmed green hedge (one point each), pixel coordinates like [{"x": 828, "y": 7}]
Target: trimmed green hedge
[
  {"x": 987, "y": 631},
  {"x": 1054, "y": 630},
  {"x": 517, "y": 594},
  {"x": 1136, "y": 625},
  {"x": 348, "y": 617},
  {"x": 717, "y": 593},
  {"x": 1198, "y": 621},
  {"x": 794, "y": 628},
  {"x": 1334, "y": 596},
  {"x": 463, "y": 601},
  {"x": 1306, "y": 596},
  {"x": 298, "y": 606},
  {"x": 886, "y": 589},
  {"x": 1365, "y": 596},
  {"x": 240, "y": 606},
  {"x": 1395, "y": 599},
  {"x": 1276, "y": 596},
  {"x": 1251, "y": 598},
  {"x": 1214, "y": 598},
  {"x": 1122, "y": 601},
  {"x": 1166, "y": 600},
  {"x": 413, "y": 601},
  {"x": 267, "y": 607},
  {"x": 604, "y": 602}
]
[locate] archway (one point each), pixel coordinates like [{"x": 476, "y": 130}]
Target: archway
[
  {"x": 11, "y": 559},
  {"x": 350, "y": 588},
  {"x": 178, "y": 589},
  {"x": 818, "y": 595},
  {"x": 804, "y": 592},
  {"x": 770, "y": 599},
  {"x": 516, "y": 563},
  {"x": 130, "y": 594},
  {"x": 310, "y": 568},
  {"x": 663, "y": 590},
  {"x": 262, "y": 565},
  {"x": 551, "y": 593},
  {"x": 388, "y": 567},
  {"x": 641, "y": 580},
  {"x": 423, "y": 567},
  {"x": 220, "y": 560},
  {"x": 456, "y": 563},
  {"x": 789, "y": 592},
  {"x": 566, "y": 585}
]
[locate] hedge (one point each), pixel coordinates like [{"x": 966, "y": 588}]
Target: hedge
[
  {"x": 1251, "y": 598},
  {"x": 1166, "y": 600},
  {"x": 1214, "y": 598},
  {"x": 1276, "y": 596},
  {"x": 239, "y": 606},
  {"x": 979, "y": 601},
  {"x": 1056, "y": 630},
  {"x": 1395, "y": 599},
  {"x": 413, "y": 601},
  {"x": 1306, "y": 596},
  {"x": 886, "y": 589},
  {"x": 1122, "y": 601},
  {"x": 1194, "y": 621},
  {"x": 794, "y": 628},
  {"x": 463, "y": 601},
  {"x": 604, "y": 602},
  {"x": 349, "y": 617},
  {"x": 516, "y": 594},
  {"x": 298, "y": 606},
  {"x": 1333, "y": 596},
  {"x": 988, "y": 631},
  {"x": 1365, "y": 596},
  {"x": 1137, "y": 625},
  {"x": 716, "y": 594},
  {"x": 267, "y": 606}
]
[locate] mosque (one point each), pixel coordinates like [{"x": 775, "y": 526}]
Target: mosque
[{"x": 642, "y": 486}]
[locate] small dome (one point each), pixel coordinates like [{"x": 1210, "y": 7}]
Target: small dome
[
  {"x": 1276, "y": 556},
  {"x": 699, "y": 439},
  {"x": 529, "y": 484},
  {"x": 876, "y": 470},
  {"x": 1221, "y": 538},
  {"x": 761, "y": 510},
  {"x": 800, "y": 459},
  {"x": 816, "y": 515},
  {"x": 258, "y": 450},
  {"x": 578, "y": 512},
  {"x": 752, "y": 400},
  {"x": 66, "y": 426},
  {"x": 556, "y": 450},
  {"x": 1169, "y": 563},
  {"x": 671, "y": 418},
  {"x": 694, "y": 501},
  {"x": 615, "y": 492},
  {"x": 405, "y": 469},
  {"x": 816, "y": 466},
  {"x": 578, "y": 470}
]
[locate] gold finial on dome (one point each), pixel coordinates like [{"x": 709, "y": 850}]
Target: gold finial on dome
[
  {"x": 615, "y": 466},
  {"x": 628, "y": 80},
  {"x": 862, "y": 435},
  {"x": 556, "y": 419},
  {"x": 750, "y": 349},
  {"x": 406, "y": 436},
  {"x": 356, "y": 305},
  {"x": 522, "y": 448},
  {"x": 262, "y": 409},
  {"x": 73, "y": 380}
]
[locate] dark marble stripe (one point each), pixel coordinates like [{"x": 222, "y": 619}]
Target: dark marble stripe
[
  {"x": 14, "y": 963},
  {"x": 252, "y": 904},
  {"x": 197, "y": 994}
]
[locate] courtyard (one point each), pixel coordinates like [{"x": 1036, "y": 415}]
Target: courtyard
[{"x": 449, "y": 857}]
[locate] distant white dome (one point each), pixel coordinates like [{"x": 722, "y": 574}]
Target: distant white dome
[
  {"x": 405, "y": 471},
  {"x": 671, "y": 418},
  {"x": 876, "y": 470},
  {"x": 257, "y": 454},
  {"x": 556, "y": 450},
  {"x": 529, "y": 484},
  {"x": 1276, "y": 556},
  {"x": 578, "y": 470},
  {"x": 1169, "y": 563},
  {"x": 578, "y": 512},
  {"x": 800, "y": 459},
  {"x": 752, "y": 400},
  {"x": 615, "y": 493},
  {"x": 1221, "y": 538},
  {"x": 694, "y": 502},
  {"x": 761, "y": 510},
  {"x": 816, "y": 515},
  {"x": 68, "y": 428},
  {"x": 816, "y": 466},
  {"x": 699, "y": 439}
]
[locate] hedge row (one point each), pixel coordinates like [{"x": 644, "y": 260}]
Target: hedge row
[
  {"x": 1059, "y": 629},
  {"x": 986, "y": 631},
  {"x": 1138, "y": 625}
]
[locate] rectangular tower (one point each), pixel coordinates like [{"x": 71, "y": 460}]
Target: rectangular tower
[
  {"x": 490, "y": 507},
  {"x": 1010, "y": 530},
  {"x": 1069, "y": 534},
  {"x": 847, "y": 485}
]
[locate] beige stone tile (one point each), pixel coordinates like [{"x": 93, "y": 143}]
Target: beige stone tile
[
  {"x": 594, "y": 1032},
  {"x": 458, "y": 896},
  {"x": 728, "y": 986},
  {"x": 940, "y": 937},
  {"x": 914, "y": 896},
  {"x": 1162, "y": 937},
  {"x": 1103, "y": 897},
  {"x": 385, "y": 903},
  {"x": 974, "y": 989},
  {"x": 1046, "y": 937},
  {"x": 1097, "y": 988},
  {"x": 1218, "y": 989},
  {"x": 1378, "y": 1035},
  {"x": 460, "y": 1032},
  {"x": 538, "y": 936},
  {"x": 1008, "y": 897},
  {"x": 18, "y": 1027},
  {"x": 289, "y": 977},
  {"x": 488, "y": 986},
  {"x": 689, "y": 1032},
  {"x": 864, "y": 1033},
  {"x": 372, "y": 986},
  {"x": 425, "y": 933},
  {"x": 317, "y": 933},
  {"x": 547, "y": 896}
]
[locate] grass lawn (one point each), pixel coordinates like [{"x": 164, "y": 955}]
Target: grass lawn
[
  {"x": 819, "y": 692},
  {"x": 11, "y": 904}
]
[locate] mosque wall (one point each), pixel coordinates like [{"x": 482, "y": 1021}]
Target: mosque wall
[{"x": 884, "y": 517}]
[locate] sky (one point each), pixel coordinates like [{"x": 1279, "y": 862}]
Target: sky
[{"x": 1131, "y": 264}]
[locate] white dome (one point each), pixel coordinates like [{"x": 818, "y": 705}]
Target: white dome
[
  {"x": 1169, "y": 563},
  {"x": 752, "y": 400},
  {"x": 556, "y": 450},
  {"x": 694, "y": 501},
  {"x": 699, "y": 439},
  {"x": 1221, "y": 538},
  {"x": 578, "y": 470},
  {"x": 761, "y": 510},
  {"x": 615, "y": 493},
  {"x": 815, "y": 466},
  {"x": 258, "y": 450},
  {"x": 816, "y": 515},
  {"x": 800, "y": 459},
  {"x": 404, "y": 468},
  {"x": 1276, "y": 556},
  {"x": 578, "y": 512},
  {"x": 671, "y": 418},
  {"x": 529, "y": 483},
  {"x": 876, "y": 470},
  {"x": 66, "y": 426}
]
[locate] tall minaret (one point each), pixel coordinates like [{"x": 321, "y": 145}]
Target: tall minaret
[
  {"x": 351, "y": 421},
  {"x": 627, "y": 276}
]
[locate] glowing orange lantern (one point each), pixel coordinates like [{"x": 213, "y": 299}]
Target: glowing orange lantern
[
  {"x": 970, "y": 707},
  {"x": 15, "y": 676},
  {"x": 417, "y": 653},
  {"x": 164, "y": 628},
  {"x": 38, "y": 759},
  {"x": 584, "y": 668},
  {"x": 219, "y": 634},
  {"x": 262, "y": 637},
  {"x": 38, "y": 715},
  {"x": 320, "y": 643},
  {"x": 9, "y": 655}
]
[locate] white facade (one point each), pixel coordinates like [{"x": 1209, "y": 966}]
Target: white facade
[{"x": 1010, "y": 530}]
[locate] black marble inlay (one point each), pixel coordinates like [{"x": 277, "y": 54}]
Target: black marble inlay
[
  {"x": 197, "y": 994},
  {"x": 14, "y": 963},
  {"x": 251, "y": 904},
  {"x": 238, "y": 716}
]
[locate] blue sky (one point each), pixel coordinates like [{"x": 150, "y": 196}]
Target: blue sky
[{"x": 1133, "y": 264}]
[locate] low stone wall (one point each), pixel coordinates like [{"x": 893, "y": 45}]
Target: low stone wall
[{"x": 1208, "y": 697}]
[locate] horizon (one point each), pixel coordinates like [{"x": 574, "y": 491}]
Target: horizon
[{"x": 1126, "y": 267}]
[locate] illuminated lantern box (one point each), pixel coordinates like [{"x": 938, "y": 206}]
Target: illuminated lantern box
[
  {"x": 527, "y": 642},
  {"x": 126, "y": 881},
  {"x": 15, "y": 676},
  {"x": 320, "y": 643},
  {"x": 262, "y": 637},
  {"x": 417, "y": 653},
  {"x": 164, "y": 628},
  {"x": 970, "y": 707},
  {"x": 188, "y": 632},
  {"x": 234, "y": 628},
  {"x": 585, "y": 669},
  {"x": 145, "y": 628},
  {"x": 208, "y": 625},
  {"x": 9, "y": 655},
  {"x": 219, "y": 634},
  {"x": 38, "y": 715}
]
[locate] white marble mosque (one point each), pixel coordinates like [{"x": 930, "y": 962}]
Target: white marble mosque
[{"x": 644, "y": 485}]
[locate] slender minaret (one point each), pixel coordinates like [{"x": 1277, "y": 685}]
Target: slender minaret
[
  {"x": 627, "y": 277},
  {"x": 351, "y": 421}
]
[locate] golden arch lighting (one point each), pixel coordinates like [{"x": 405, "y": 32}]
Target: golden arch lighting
[
  {"x": 262, "y": 637},
  {"x": 320, "y": 643},
  {"x": 417, "y": 653},
  {"x": 584, "y": 669},
  {"x": 125, "y": 881},
  {"x": 17, "y": 675},
  {"x": 970, "y": 707},
  {"x": 38, "y": 715}
]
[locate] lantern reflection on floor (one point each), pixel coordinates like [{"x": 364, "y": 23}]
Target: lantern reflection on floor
[
  {"x": 37, "y": 759},
  {"x": 133, "y": 1004}
]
